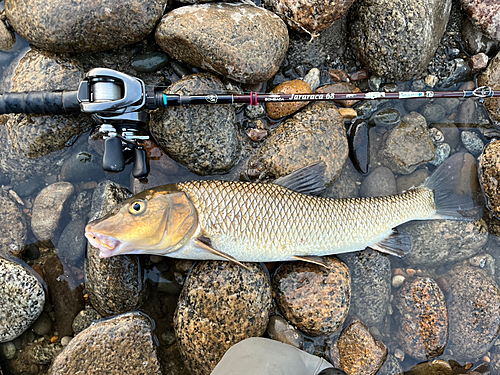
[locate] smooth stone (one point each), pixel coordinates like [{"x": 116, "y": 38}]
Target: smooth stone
[
  {"x": 436, "y": 367},
  {"x": 220, "y": 304},
  {"x": 84, "y": 166},
  {"x": 7, "y": 37},
  {"x": 216, "y": 37},
  {"x": 313, "y": 298},
  {"x": 450, "y": 132},
  {"x": 280, "y": 330},
  {"x": 433, "y": 113},
  {"x": 48, "y": 207},
  {"x": 84, "y": 319},
  {"x": 14, "y": 226},
  {"x": 485, "y": 15},
  {"x": 42, "y": 325},
  {"x": 72, "y": 244},
  {"x": 380, "y": 182},
  {"x": 203, "y": 138},
  {"x": 314, "y": 134},
  {"x": 124, "y": 344},
  {"x": 411, "y": 180},
  {"x": 149, "y": 62},
  {"x": 114, "y": 285},
  {"x": 347, "y": 184},
  {"x": 276, "y": 110},
  {"x": 421, "y": 318},
  {"x": 386, "y": 117},
  {"x": 68, "y": 26},
  {"x": 341, "y": 87},
  {"x": 22, "y": 298},
  {"x": 28, "y": 188},
  {"x": 489, "y": 175},
  {"x": 472, "y": 142},
  {"x": 450, "y": 105},
  {"x": 474, "y": 41},
  {"x": 8, "y": 350},
  {"x": 457, "y": 71},
  {"x": 80, "y": 206},
  {"x": 491, "y": 77}
]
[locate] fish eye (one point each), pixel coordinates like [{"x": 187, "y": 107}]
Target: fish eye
[{"x": 137, "y": 207}]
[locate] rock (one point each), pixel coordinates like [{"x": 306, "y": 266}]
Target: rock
[
  {"x": 421, "y": 318},
  {"x": 216, "y": 37},
  {"x": 478, "y": 62},
  {"x": 347, "y": 184},
  {"x": 379, "y": 182},
  {"x": 414, "y": 179},
  {"x": 8, "y": 351},
  {"x": 149, "y": 62},
  {"x": 280, "y": 330},
  {"x": 43, "y": 353},
  {"x": 433, "y": 113},
  {"x": 28, "y": 188},
  {"x": 387, "y": 36},
  {"x": 114, "y": 285},
  {"x": 450, "y": 132},
  {"x": 491, "y": 77},
  {"x": 123, "y": 344},
  {"x": 474, "y": 41},
  {"x": 220, "y": 304},
  {"x": 407, "y": 145},
  {"x": 84, "y": 319},
  {"x": 371, "y": 285},
  {"x": 472, "y": 142},
  {"x": 282, "y": 109},
  {"x": 48, "y": 207},
  {"x": 489, "y": 175},
  {"x": 84, "y": 166},
  {"x": 87, "y": 26},
  {"x": 314, "y": 134},
  {"x": 311, "y": 16},
  {"x": 72, "y": 244},
  {"x": 42, "y": 325},
  {"x": 341, "y": 87},
  {"x": 313, "y": 78},
  {"x": 7, "y": 37},
  {"x": 455, "y": 72},
  {"x": 474, "y": 312},
  {"x": 485, "y": 15},
  {"x": 391, "y": 366},
  {"x": 14, "y": 227},
  {"x": 22, "y": 298},
  {"x": 313, "y": 298},
  {"x": 359, "y": 352},
  {"x": 386, "y": 117},
  {"x": 80, "y": 207},
  {"x": 203, "y": 138},
  {"x": 436, "y": 367},
  {"x": 441, "y": 152}
]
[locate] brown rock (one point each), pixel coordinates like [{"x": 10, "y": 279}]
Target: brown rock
[
  {"x": 313, "y": 298},
  {"x": 14, "y": 227},
  {"x": 360, "y": 353},
  {"x": 7, "y": 37},
  {"x": 359, "y": 75},
  {"x": 282, "y": 109},
  {"x": 478, "y": 62},
  {"x": 491, "y": 77},
  {"x": 339, "y": 75},
  {"x": 341, "y": 88},
  {"x": 484, "y": 13},
  {"x": 489, "y": 173}
]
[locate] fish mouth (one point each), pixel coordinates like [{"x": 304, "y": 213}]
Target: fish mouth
[{"x": 106, "y": 244}]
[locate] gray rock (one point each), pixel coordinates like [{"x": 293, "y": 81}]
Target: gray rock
[
  {"x": 8, "y": 350},
  {"x": 472, "y": 142},
  {"x": 313, "y": 79},
  {"x": 28, "y": 188},
  {"x": 84, "y": 166},
  {"x": 72, "y": 243},
  {"x": 391, "y": 366},
  {"x": 223, "y": 302},
  {"x": 485, "y": 15},
  {"x": 379, "y": 182},
  {"x": 149, "y": 62},
  {"x": 414, "y": 179},
  {"x": 14, "y": 227},
  {"x": 84, "y": 319},
  {"x": 407, "y": 145},
  {"x": 387, "y": 36},
  {"x": 280, "y": 330},
  {"x": 450, "y": 132},
  {"x": 450, "y": 105},
  {"x": 441, "y": 152},
  {"x": 203, "y": 138},
  {"x": 43, "y": 353},
  {"x": 114, "y": 285},
  {"x": 314, "y": 134},
  {"x": 347, "y": 184},
  {"x": 48, "y": 207},
  {"x": 7, "y": 37},
  {"x": 22, "y": 299},
  {"x": 474, "y": 41},
  {"x": 216, "y": 37},
  {"x": 42, "y": 325},
  {"x": 80, "y": 207},
  {"x": 456, "y": 72},
  {"x": 123, "y": 344},
  {"x": 87, "y": 26},
  {"x": 433, "y": 113},
  {"x": 386, "y": 117}
]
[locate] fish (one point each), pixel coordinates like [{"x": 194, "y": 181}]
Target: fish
[{"x": 268, "y": 222}]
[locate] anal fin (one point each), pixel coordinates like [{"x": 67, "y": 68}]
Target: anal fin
[
  {"x": 398, "y": 244},
  {"x": 202, "y": 245},
  {"x": 320, "y": 261}
]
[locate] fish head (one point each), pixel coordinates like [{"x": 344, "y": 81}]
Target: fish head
[{"x": 156, "y": 222}]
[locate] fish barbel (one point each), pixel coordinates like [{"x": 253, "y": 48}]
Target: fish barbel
[{"x": 261, "y": 222}]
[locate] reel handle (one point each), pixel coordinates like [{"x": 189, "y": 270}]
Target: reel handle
[{"x": 113, "y": 160}]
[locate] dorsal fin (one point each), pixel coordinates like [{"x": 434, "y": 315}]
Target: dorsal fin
[{"x": 308, "y": 180}]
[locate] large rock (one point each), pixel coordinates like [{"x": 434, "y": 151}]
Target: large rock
[
  {"x": 491, "y": 77},
  {"x": 79, "y": 26},
  {"x": 489, "y": 175},
  {"x": 240, "y": 41},
  {"x": 203, "y": 138},
  {"x": 484, "y": 13},
  {"x": 124, "y": 344},
  {"x": 397, "y": 39},
  {"x": 7, "y": 37},
  {"x": 220, "y": 305},
  {"x": 14, "y": 227}
]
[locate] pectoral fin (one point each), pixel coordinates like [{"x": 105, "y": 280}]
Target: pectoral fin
[
  {"x": 320, "y": 261},
  {"x": 398, "y": 244},
  {"x": 202, "y": 245}
]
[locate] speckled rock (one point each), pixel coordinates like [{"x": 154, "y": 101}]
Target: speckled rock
[
  {"x": 114, "y": 285},
  {"x": 472, "y": 142},
  {"x": 203, "y": 138},
  {"x": 491, "y": 77},
  {"x": 220, "y": 305},
  {"x": 347, "y": 184},
  {"x": 276, "y": 110},
  {"x": 313, "y": 298},
  {"x": 397, "y": 39},
  {"x": 379, "y": 182},
  {"x": 43, "y": 353},
  {"x": 391, "y": 366},
  {"x": 280, "y": 330},
  {"x": 310, "y": 16},
  {"x": 68, "y": 26},
  {"x": 14, "y": 227},
  {"x": 84, "y": 319},
  {"x": 474, "y": 41},
  {"x": 371, "y": 284},
  {"x": 484, "y": 13},
  {"x": 436, "y": 367},
  {"x": 489, "y": 174},
  {"x": 474, "y": 312},
  {"x": 314, "y": 134},
  {"x": 239, "y": 41},
  {"x": 421, "y": 318},
  {"x": 22, "y": 299},
  {"x": 7, "y": 37},
  {"x": 407, "y": 145},
  {"x": 123, "y": 344},
  {"x": 360, "y": 353}
]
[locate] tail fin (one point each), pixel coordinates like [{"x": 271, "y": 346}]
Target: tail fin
[{"x": 444, "y": 182}]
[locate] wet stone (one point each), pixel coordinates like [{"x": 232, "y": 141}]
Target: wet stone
[
  {"x": 347, "y": 184},
  {"x": 203, "y": 138},
  {"x": 14, "y": 227},
  {"x": 314, "y": 134},
  {"x": 414, "y": 179},
  {"x": 491, "y": 77},
  {"x": 44, "y": 353},
  {"x": 474, "y": 41},
  {"x": 360, "y": 353},
  {"x": 436, "y": 367},
  {"x": 280, "y": 330},
  {"x": 282, "y": 109},
  {"x": 149, "y": 62},
  {"x": 123, "y": 344},
  {"x": 313, "y": 298},
  {"x": 72, "y": 244},
  {"x": 84, "y": 166},
  {"x": 433, "y": 113},
  {"x": 478, "y": 62},
  {"x": 474, "y": 312},
  {"x": 386, "y": 117},
  {"x": 441, "y": 152},
  {"x": 215, "y": 37},
  {"x": 84, "y": 319},
  {"x": 220, "y": 305},
  {"x": 43, "y": 325},
  {"x": 341, "y": 87},
  {"x": 421, "y": 318},
  {"x": 472, "y": 142},
  {"x": 485, "y": 15},
  {"x": 22, "y": 299},
  {"x": 489, "y": 174},
  {"x": 391, "y": 366},
  {"x": 379, "y": 182},
  {"x": 8, "y": 350},
  {"x": 7, "y": 37}
]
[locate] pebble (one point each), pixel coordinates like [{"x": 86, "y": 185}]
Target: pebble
[
  {"x": 8, "y": 350},
  {"x": 478, "y": 62},
  {"x": 472, "y": 142},
  {"x": 282, "y": 109},
  {"x": 436, "y": 136},
  {"x": 380, "y": 182},
  {"x": 342, "y": 87},
  {"x": 66, "y": 340},
  {"x": 313, "y": 298},
  {"x": 84, "y": 319},
  {"x": 489, "y": 175},
  {"x": 14, "y": 227},
  {"x": 257, "y": 135},
  {"x": 348, "y": 114},
  {"x": 149, "y": 62},
  {"x": 386, "y": 117},
  {"x": 398, "y": 280},
  {"x": 42, "y": 325},
  {"x": 441, "y": 151},
  {"x": 279, "y": 329},
  {"x": 43, "y": 353},
  {"x": 253, "y": 112},
  {"x": 433, "y": 113},
  {"x": 313, "y": 79},
  {"x": 22, "y": 299}
]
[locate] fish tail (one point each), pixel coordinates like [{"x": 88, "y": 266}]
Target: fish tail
[{"x": 444, "y": 182}]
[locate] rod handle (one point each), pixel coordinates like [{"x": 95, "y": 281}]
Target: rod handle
[{"x": 40, "y": 102}]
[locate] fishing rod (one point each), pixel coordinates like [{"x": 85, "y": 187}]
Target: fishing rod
[{"x": 118, "y": 103}]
